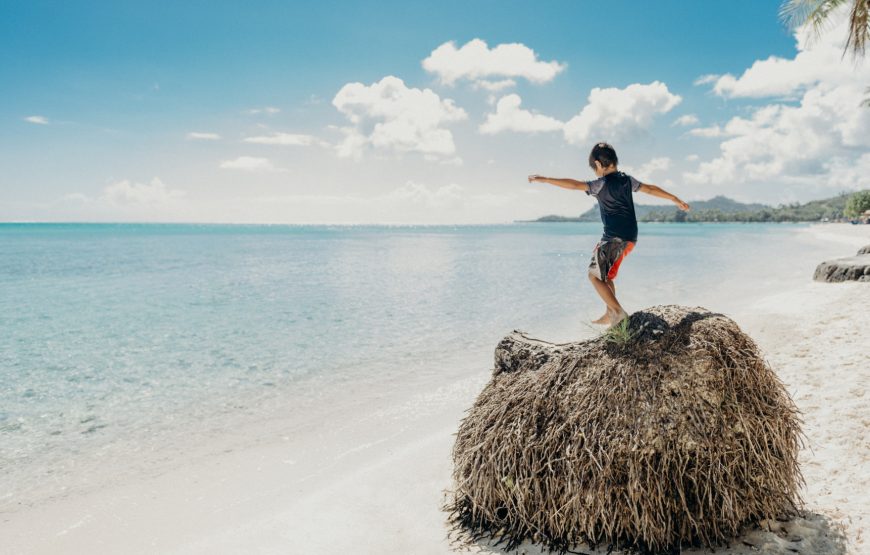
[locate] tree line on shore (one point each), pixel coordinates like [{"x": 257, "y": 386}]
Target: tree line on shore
[{"x": 843, "y": 207}]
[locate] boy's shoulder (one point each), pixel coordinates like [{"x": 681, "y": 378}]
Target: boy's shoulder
[{"x": 618, "y": 178}]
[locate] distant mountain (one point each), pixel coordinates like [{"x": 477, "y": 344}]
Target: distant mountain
[{"x": 724, "y": 209}]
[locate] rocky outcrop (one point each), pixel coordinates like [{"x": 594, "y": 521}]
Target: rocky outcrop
[
  {"x": 853, "y": 268},
  {"x": 864, "y": 250}
]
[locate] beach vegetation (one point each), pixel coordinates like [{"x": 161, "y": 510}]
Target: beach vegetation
[{"x": 857, "y": 204}]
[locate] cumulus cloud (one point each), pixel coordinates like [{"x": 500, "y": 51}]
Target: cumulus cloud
[
  {"x": 613, "y": 114},
  {"x": 38, "y": 120},
  {"x": 686, "y": 120},
  {"x": 201, "y": 136},
  {"x": 389, "y": 115},
  {"x": 475, "y": 61},
  {"x": 818, "y": 60},
  {"x": 805, "y": 144},
  {"x": 248, "y": 163},
  {"x": 509, "y": 116},
  {"x": 781, "y": 143},
  {"x": 284, "y": 139}
]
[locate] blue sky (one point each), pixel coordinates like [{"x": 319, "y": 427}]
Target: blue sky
[{"x": 218, "y": 111}]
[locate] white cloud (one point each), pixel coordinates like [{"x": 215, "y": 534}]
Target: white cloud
[
  {"x": 509, "y": 116},
  {"x": 268, "y": 110},
  {"x": 248, "y": 163},
  {"x": 612, "y": 114},
  {"x": 39, "y": 120},
  {"x": 706, "y": 79},
  {"x": 285, "y": 139},
  {"x": 201, "y": 136},
  {"x": 817, "y": 61},
  {"x": 392, "y": 116},
  {"x": 692, "y": 158},
  {"x": 686, "y": 120},
  {"x": 707, "y": 132},
  {"x": 781, "y": 143},
  {"x": 476, "y": 61},
  {"x": 653, "y": 166},
  {"x": 807, "y": 145},
  {"x": 123, "y": 200},
  {"x": 126, "y": 192},
  {"x": 494, "y": 86}
]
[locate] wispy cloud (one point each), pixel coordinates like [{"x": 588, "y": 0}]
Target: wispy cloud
[
  {"x": 268, "y": 110},
  {"x": 126, "y": 193},
  {"x": 686, "y": 120},
  {"x": 249, "y": 163},
  {"x": 201, "y": 136},
  {"x": 286, "y": 139},
  {"x": 38, "y": 120}
]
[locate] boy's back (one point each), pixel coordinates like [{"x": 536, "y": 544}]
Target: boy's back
[{"x": 616, "y": 205}]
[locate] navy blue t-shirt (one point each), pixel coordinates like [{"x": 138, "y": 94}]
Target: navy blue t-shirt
[{"x": 616, "y": 205}]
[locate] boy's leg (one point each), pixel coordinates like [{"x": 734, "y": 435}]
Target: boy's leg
[
  {"x": 615, "y": 312},
  {"x": 602, "y": 269},
  {"x": 605, "y": 318}
]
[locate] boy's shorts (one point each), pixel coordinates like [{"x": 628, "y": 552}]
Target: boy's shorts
[{"x": 607, "y": 257}]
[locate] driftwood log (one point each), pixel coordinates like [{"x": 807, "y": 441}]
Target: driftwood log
[{"x": 675, "y": 432}]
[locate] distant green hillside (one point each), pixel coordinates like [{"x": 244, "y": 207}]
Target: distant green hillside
[{"x": 724, "y": 209}]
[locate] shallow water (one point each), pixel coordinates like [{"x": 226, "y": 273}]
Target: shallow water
[{"x": 120, "y": 337}]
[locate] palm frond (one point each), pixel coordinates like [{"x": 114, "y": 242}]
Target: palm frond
[
  {"x": 797, "y": 13},
  {"x": 859, "y": 27}
]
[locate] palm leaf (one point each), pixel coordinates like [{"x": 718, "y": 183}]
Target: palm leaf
[
  {"x": 859, "y": 27},
  {"x": 796, "y": 13}
]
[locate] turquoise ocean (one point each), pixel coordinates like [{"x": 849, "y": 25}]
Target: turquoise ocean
[{"x": 127, "y": 338}]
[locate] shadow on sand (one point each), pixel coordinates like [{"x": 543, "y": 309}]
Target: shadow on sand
[{"x": 808, "y": 534}]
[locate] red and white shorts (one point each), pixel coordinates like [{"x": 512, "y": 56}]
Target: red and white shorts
[{"x": 607, "y": 257}]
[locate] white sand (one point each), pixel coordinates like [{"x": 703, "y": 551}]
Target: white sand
[{"x": 369, "y": 478}]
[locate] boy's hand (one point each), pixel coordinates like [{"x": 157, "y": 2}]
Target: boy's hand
[
  {"x": 536, "y": 177},
  {"x": 682, "y": 205}
]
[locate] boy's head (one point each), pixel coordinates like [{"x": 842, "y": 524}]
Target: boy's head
[{"x": 602, "y": 159}]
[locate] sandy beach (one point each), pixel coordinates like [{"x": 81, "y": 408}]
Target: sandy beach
[{"x": 368, "y": 475}]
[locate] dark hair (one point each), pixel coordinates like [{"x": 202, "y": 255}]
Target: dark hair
[{"x": 605, "y": 155}]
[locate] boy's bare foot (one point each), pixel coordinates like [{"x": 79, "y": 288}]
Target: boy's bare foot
[
  {"x": 616, "y": 317},
  {"x": 604, "y": 319}
]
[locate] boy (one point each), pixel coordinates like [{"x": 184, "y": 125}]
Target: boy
[{"x": 613, "y": 190}]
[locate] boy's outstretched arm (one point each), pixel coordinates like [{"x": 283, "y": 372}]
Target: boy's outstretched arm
[
  {"x": 657, "y": 191},
  {"x": 565, "y": 183}
]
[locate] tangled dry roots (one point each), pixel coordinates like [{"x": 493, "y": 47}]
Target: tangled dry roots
[{"x": 678, "y": 436}]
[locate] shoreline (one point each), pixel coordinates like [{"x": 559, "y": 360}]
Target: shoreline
[{"x": 368, "y": 475}]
